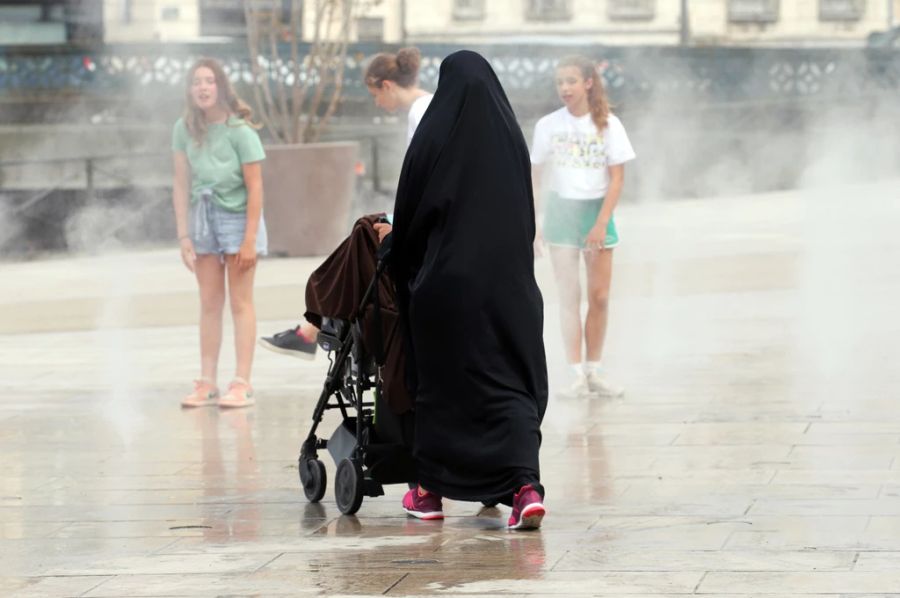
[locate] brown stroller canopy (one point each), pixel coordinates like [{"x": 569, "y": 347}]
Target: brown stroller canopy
[{"x": 336, "y": 289}]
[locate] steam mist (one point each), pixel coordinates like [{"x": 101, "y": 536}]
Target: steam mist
[
  {"x": 691, "y": 143},
  {"x": 784, "y": 180}
]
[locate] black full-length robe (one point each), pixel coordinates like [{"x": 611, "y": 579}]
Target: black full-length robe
[{"x": 464, "y": 265}]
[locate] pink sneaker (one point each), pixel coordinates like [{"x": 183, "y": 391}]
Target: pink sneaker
[
  {"x": 240, "y": 394},
  {"x": 205, "y": 394},
  {"x": 528, "y": 509},
  {"x": 422, "y": 504}
]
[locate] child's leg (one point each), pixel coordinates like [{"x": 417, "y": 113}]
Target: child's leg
[
  {"x": 565, "y": 270},
  {"x": 599, "y": 275},
  {"x": 211, "y": 280},
  {"x": 240, "y": 295}
]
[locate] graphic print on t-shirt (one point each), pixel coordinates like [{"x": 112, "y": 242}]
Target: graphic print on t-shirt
[
  {"x": 578, "y": 153},
  {"x": 578, "y": 150}
]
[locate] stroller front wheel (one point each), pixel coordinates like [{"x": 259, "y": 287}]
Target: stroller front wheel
[
  {"x": 313, "y": 479},
  {"x": 348, "y": 486}
]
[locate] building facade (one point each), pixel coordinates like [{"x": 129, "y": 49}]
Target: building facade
[
  {"x": 141, "y": 21},
  {"x": 612, "y": 22},
  {"x": 639, "y": 22},
  {"x": 50, "y": 22}
]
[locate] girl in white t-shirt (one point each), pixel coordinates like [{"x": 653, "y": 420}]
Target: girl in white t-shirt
[
  {"x": 393, "y": 81},
  {"x": 578, "y": 155}
]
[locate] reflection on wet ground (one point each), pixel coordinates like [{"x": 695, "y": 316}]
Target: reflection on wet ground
[{"x": 754, "y": 454}]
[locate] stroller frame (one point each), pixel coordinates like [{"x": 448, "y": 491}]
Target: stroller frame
[{"x": 350, "y": 376}]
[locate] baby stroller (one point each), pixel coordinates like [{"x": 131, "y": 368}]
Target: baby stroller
[{"x": 371, "y": 445}]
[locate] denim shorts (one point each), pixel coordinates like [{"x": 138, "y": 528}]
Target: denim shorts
[{"x": 215, "y": 230}]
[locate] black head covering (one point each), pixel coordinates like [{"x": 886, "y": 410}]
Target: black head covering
[{"x": 464, "y": 266}]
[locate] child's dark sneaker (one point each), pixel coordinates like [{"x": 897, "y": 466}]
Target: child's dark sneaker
[
  {"x": 528, "y": 509},
  {"x": 423, "y": 505},
  {"x": 290, "y": 342}
]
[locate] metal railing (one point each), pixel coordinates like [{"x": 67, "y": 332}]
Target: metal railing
[{"x": 526, "y": 71}]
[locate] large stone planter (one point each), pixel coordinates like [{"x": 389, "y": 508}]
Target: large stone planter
[{"x": 308, "y": 190}]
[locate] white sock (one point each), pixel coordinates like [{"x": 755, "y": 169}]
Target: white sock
[
  {"x": 592, "y": 366},
  {"x": 578, "y": 368}
]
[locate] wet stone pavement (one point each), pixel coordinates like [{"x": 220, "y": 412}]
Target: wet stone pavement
[{"x": 755, "y": 453}]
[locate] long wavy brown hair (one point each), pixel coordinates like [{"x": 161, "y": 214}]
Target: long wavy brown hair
[
  {"x": 597, "y": 99},
  {"x": 194, "y": 119}
]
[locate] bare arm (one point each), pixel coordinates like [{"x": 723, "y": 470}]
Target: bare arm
[
  {"x": 252, "y": 171},
  {"x": 536, "y": 170},
  {"x": 181, "y": 183},
  {"x": 616, "y": 180},
  {"x": 597, "y": 237},
  {"x": 253, "y": 180},
  {"x": 181, "y": 189}
]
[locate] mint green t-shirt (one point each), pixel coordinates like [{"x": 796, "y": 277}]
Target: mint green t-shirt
[{"x": 216, "y": 164}]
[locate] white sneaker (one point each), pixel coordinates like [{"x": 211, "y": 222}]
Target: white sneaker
[
  {"x": 601, "y": 385},
  {"x": 577, "y": 389}
]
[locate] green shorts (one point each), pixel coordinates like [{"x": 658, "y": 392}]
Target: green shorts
[{"x": 567, "y": 222}]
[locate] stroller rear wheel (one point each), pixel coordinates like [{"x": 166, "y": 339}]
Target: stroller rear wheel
[
  {"x": 313, "y": 478},
  {"x": 348, "y": 486}
]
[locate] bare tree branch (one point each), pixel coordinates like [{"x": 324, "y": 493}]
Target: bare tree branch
[
  {"x": 260, "y": 82},
  {"x": 300, "y": 110},
  {"x": 340, "y": 63},
  {"x": 298, "y": 88},
  {"x": 274, "y": 67},
  {"x": 314, "y": 61},
  {"x": 325, "y": 68}
]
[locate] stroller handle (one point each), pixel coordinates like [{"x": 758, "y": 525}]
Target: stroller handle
[{"x": 384, "y": 251}]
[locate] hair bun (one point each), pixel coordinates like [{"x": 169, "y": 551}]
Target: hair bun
[{"x": 408, "y": 60}]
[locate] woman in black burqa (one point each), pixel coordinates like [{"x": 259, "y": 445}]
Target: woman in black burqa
[{"x": 462, "y": 257}]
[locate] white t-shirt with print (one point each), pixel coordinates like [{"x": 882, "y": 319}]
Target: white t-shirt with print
[
  {"x": 576, "y": 155},
  {"x": 416, "y": 112}
]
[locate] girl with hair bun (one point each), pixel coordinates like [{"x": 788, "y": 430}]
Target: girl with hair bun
[
  {"x": 393, "y": 81},
  {"x": 217, "y": 195},
  {"x": 579, "y": 152}
]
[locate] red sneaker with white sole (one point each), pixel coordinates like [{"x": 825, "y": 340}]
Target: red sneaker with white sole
[
  {"x": 423, "y": 504},
  {"x": 528, "y": 509}
]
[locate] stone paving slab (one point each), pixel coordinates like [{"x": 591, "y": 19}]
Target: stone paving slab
[{"x": 755, "y": 453}]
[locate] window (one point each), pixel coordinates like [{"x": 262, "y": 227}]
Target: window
[
  {"x": 170, "y": 13},
  {"x": 222, "y": 18},
  {"x": 125, "y": 11},
  {"x": 226, "y": 17},
  {"x": 752, "y": 11},
  {"x": 84, "y": 21},
  {"x": 468, "y": 9},
  {"x": 51, "y": 22},
  {"x": 841, "y": 10},
  {"x": 548, "y": 10},
  {"x": 370, "y": 29},
  {"x": 631, "y": 9}
]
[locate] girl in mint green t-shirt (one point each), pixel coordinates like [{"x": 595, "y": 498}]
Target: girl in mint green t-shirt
[{"x": 217, "y": 195}]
